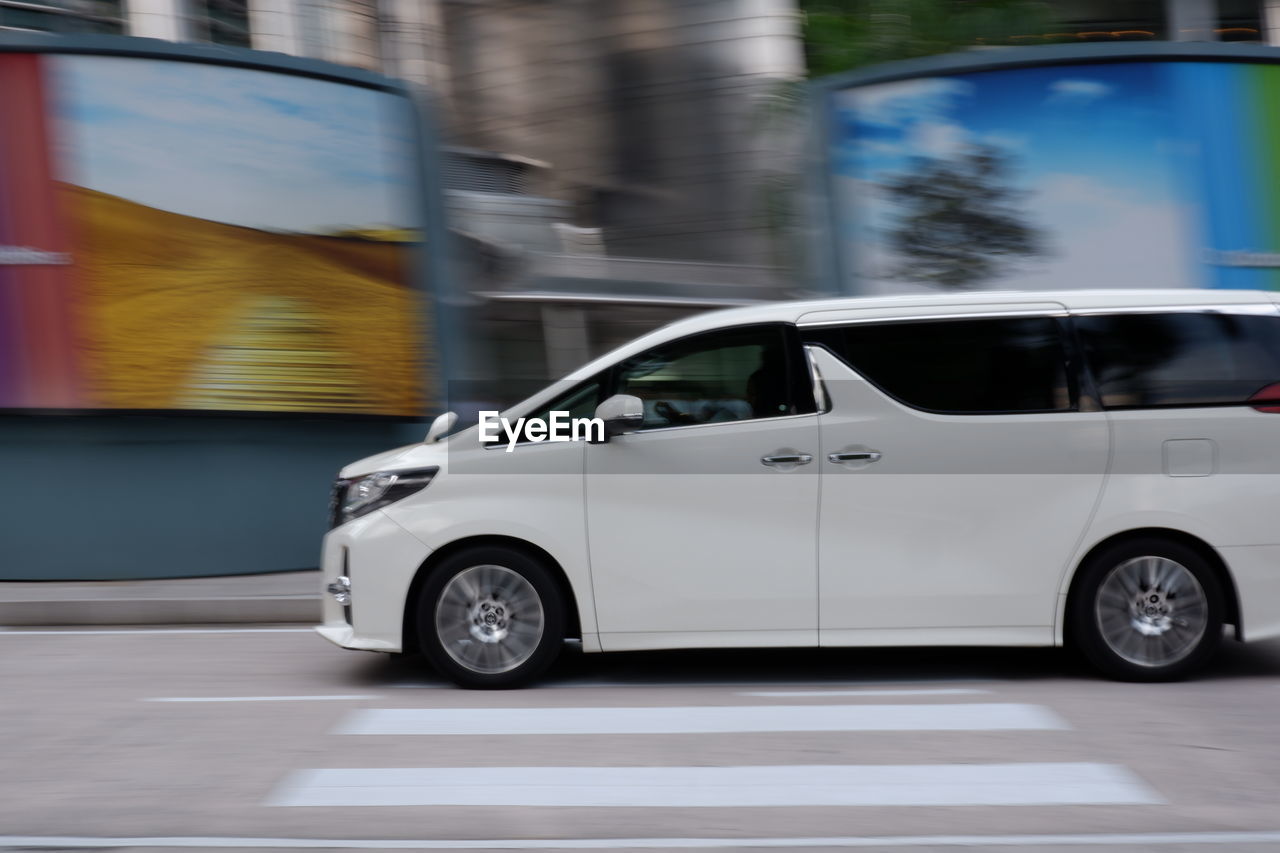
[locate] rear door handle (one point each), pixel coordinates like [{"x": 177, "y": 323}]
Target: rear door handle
[
  {"x": 855, "y": 456},
  {"x": 787, "y": 459}
]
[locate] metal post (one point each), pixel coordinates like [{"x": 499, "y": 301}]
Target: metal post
[
  {"x": 565, "y": 332},
  {"x": 1271, "y": 22},
  {"x": 1192, "y": 20}
]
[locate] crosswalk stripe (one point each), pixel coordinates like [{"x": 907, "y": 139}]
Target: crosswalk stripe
[
  {"x": 338, "y": 698},
  {"x": 734, "y": 787},
  {"x": 700, "y": 720},
  {"x": 818, "y": 694}
]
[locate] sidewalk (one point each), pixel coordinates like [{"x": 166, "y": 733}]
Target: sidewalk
[{"x": 278, "y": 597}]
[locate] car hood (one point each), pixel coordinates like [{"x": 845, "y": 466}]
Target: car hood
[{"x": 401, "y": 458}]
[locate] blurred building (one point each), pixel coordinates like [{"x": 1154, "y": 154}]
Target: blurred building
[
  {"x": 648, "y": 162},
  {"x": 603, "y": 154},
  {"x": 611, "y": 163}
]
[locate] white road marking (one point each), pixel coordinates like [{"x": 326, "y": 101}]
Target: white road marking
[
  {"x": 711, "y": 683},
  {"x": 351, "y": 698},
  {"x": 719, "y": 787},
  {"x": 796, "y": 694},
  {"x": 549, "y": 685},
  {"x": 22, "y": 632},
  {"x": 1151, "y": 839},
  {"x": 700, "y": 720}
]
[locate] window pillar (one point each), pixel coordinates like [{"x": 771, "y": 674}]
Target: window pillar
[
  {"x": 1192, "y": 20},
  {"x": 273, "y": 25},
  {"x": 1271, "y": 21},
  {"x": 160, "y": 19}
]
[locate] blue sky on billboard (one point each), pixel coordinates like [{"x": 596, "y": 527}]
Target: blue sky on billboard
[
  {"x": 241, "y": 146},
  {"x": 1095, "y": 148}
]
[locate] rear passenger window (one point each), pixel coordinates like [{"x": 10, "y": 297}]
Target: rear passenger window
[
  {"x": 1015, "y": 364},
  {"x": 1181, "y": 358}
]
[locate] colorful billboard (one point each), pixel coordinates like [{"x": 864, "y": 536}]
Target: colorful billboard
[
  {"x": 189, "y": 236},
  {"x": 1154, "y": 173}
]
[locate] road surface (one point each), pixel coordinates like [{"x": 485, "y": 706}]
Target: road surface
[{"x": 263, "y": 738}]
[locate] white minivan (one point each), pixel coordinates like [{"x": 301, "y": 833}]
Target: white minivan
[{"x": 1009, "y": 469}]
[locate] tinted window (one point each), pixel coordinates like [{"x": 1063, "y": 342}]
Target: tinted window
[
  {"x": 580, "y": 402},
  {"x": 1181, "y": 359},
  {"x": 732, "y": 375},
  {"x": 1016, "y": 364}
]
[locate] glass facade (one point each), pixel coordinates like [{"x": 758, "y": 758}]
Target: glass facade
[{"x": 222, "y": 22}]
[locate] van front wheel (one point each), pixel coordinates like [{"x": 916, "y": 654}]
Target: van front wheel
[
  {"x": 1148, "y": 610},
  {"x": 490, "y": 617}
]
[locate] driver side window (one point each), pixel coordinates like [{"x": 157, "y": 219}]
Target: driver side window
[
  {"x": 579, "y": 401},
  {"x": 731, "y": 375}
]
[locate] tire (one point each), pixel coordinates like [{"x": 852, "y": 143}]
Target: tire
[
  {"x": 1148, "y": 609},
  {"x": 490, "y": 617}
]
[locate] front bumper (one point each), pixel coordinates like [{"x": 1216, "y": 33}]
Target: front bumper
[
  {"x": 380, "y": 559},
  {"x": 345, "y": 636}
]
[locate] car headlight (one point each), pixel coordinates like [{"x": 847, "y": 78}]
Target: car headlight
[{"x": 362, "y": 495}]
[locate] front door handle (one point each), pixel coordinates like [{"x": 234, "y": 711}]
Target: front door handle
[
  {"x": 787, "y": 459},
  {"x": 855, "y": 456}
]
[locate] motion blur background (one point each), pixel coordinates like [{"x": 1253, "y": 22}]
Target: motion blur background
[{"x": 224, "y": 277}]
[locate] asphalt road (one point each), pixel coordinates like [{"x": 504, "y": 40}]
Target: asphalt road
[{"x": 113, "y": 738}]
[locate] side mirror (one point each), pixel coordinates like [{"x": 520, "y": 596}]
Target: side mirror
[
  {"x": 440, "y": 427},
  {"x": 620, "y": 413}
]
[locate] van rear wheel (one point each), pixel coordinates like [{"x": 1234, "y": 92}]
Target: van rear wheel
[
  {"x": 490, "y": 617},
  {"x": 1148, "y": 610}
]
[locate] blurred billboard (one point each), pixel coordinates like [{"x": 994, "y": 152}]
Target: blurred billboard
[
  {"x": 1147, "y": 172},
  {"x": 182, "y": 236}
]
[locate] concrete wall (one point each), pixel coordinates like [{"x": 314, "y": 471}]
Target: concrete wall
[{"x": 95, "y": 497}]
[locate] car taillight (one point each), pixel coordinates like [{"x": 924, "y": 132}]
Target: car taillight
[{"x": 1268, "y": 399}]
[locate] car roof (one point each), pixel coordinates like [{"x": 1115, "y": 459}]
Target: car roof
[
  {"x": 841, "y": 308},
  {"x": 1072, "y": 300}
]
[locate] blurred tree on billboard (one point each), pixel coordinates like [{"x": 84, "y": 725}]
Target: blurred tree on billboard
[
  {"x": 840, "y": 35},
  {"x": 843, "y": 34},
  {"x": 959, "y": 224}
]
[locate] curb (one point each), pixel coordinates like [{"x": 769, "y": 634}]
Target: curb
[
  {"x": 228, "y": 599},
  {"x": 162, "y": 611}
]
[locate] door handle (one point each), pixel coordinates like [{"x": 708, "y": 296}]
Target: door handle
[
  {"x": 787, "y": 459},
  {"x": 855, "y": 456}
]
